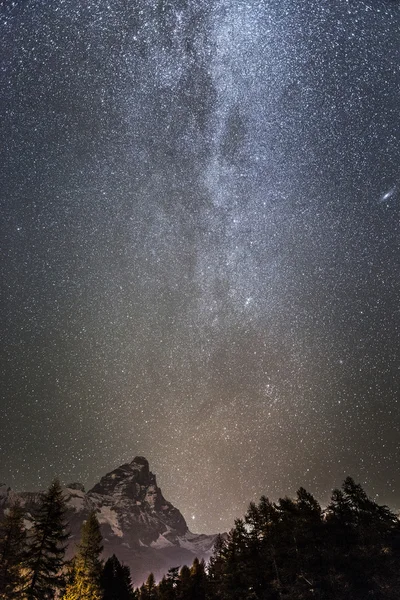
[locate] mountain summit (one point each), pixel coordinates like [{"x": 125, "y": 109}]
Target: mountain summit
[
  {"x": 129, "y": 500},
  {"x": 138, "y": 524}
]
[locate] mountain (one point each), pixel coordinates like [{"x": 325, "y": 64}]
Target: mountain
[{"x": 138, "y": 524}]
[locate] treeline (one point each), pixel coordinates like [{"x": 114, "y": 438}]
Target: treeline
[
  {"x": 294, "y": 550},
  {"x": 288, "y": 550}
]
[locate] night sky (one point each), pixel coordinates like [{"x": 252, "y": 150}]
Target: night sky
[{"x": 200, "y": 257}]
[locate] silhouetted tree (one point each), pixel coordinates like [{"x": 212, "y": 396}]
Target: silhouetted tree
[
  {"x": 168, "y": 586},
  {"x": 143, "y": 595},
  {"x": 116, "y": 580},
  {"x": 360, "y": 534},
  {"x": 216, "y": 569},
  {"x": 292, "y": 550},
  {"x": 198, "y": 580},
  {"x": 12, "y": 548},
  {"x": 236, "y": 555},
  {"x": 183, "y": 589},
  {"x": 149, "y": 591},
  {"x": 47, "y": 544}
]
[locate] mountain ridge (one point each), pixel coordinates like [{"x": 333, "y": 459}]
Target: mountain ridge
[{"x": 138, "y": 524}]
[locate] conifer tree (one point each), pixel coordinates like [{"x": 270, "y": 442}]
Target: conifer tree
[
  {"x": 216, "y": 568},
  {"x": 198, "y": 580},
  {"x": 236, "y": 556},
  {"x": 165, "y": 590},
  {"x": 148, "y": 590},
  {"x": 258, "y": 547},
  {"x": 151, "y": 587},
  {"x": 12, "y": 547},
  {"x": 168, "y": 586},
  {"x": 47, "y": 544},
  {"x": 143, "y": 595},
  {"x": 183, "y": 589},
  {"x": 127, "y": 579},
  {"x": 116, "y": 580},
  {"x": 86, "y": 579},
  {"x": 360, "y": 533}
]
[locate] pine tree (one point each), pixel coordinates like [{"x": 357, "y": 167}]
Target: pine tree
[
  {"x": 236, "y": 577},
  {"x": 45, "y": 556},
  {"x": 165, "y": 590},
  {"x": 216, "y": 569},
  {"x": 198, "y": 580},
  {"x": 151, "y": 588},
  {"x": 143, "y": 594},
  {"x": 148, "y": 590},
  {"x": 12, "y": 547},
  {"x": 360, "y": 533},
  {"x": 85, "y": 584},
  {"x": 309, "y": 536},
  {"x": 183, "y": 588},
  {"x": 168, "y": 586},
  {"x": 127, "y": 579},
  {"x": 116, "y": 580}
]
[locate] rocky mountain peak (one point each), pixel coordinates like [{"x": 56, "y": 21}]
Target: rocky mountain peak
[
  {"x": 141, "y": 465},
  {"x": 140, "y": 462},
  {"x": 76, "y": 486},
  {"x": 137, "y": 523},
  {"x": 132, "y": 481}
]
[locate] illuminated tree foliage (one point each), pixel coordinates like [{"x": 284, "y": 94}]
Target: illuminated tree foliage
[{"x": 85, "y": 581}]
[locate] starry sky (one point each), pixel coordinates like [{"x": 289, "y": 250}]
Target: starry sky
[{"x": 200, "y": 253}]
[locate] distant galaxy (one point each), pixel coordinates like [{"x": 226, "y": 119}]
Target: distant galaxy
[
  {"x": 389, "y": 194},
  {"x": 200, "y": 246}
]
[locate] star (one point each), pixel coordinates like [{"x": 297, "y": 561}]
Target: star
[{"x": 200, "y": 247}]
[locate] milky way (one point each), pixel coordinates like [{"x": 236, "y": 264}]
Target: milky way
[{"x": 200, "y": 246}]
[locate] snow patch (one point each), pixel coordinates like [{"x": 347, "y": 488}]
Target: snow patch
[
  {"x": 109, "y": 516},
  {"x": 161, "y": 542},
  {"x": 76, "y": 500},
  {"x": 197, "y": 542}
]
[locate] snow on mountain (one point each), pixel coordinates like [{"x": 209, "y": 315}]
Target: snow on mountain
[
  {"x": 161, "y": 542},
  {"x": 138, "y": 524}
]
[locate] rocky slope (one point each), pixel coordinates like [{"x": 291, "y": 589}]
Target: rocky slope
[{"x": 142, "y": 528}]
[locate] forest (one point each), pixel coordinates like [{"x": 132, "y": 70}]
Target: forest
[{"x": 291, "y": 549}]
